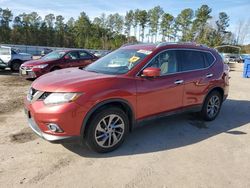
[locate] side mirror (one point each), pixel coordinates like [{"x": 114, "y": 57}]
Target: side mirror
[
  {"x": 66, "y": 57},
  {"x": 151, "y": 72}
]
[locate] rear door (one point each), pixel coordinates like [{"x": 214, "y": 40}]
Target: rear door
[
  {"x": 85, "y": 58},
  {"x": 5, "y": 54},
  {"x": 197, "y": 74}
]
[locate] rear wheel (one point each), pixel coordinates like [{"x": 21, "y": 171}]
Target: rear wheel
[
  {"x": 15, "y": 65},
  {"x": 107, "y": 130},
  {"x": 211, "y": 106}
]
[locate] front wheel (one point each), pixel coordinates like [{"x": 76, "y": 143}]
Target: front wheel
[
  {"x": 15, "y": 65},
  {"x": 107, "y": 130},
  {"x": 211, "y": 106}
]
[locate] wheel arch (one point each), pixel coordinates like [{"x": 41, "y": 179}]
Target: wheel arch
[
  {"x": 219, "y": 89},
  {"x": 121, "y": 103},
  {"x": 15, "y": 60}
]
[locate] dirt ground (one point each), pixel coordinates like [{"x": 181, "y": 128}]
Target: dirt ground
[{"x": 178, "y": 151}]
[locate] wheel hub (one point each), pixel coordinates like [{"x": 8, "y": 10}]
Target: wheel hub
[{"x": 109, "y": 131}]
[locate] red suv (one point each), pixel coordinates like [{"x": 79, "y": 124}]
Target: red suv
[
  {"x": 56, "y": 60},
  {"x": 103, "y": 102}
]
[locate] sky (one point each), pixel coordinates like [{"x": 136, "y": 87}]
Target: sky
[{"x": 238, "y": 10}]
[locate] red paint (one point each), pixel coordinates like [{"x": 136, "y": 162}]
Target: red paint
[{"x": 146, "y": 96}]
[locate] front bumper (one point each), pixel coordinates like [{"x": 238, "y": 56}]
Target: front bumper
[
  {"x": 27, "y": 73},
  {"x": 68, "y": 117},
  {"x": 48, "y": 137}
]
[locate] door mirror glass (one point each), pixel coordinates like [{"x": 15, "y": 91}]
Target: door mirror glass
[{"x": 151, "y": 72}]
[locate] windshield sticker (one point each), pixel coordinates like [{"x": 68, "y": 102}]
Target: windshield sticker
[
  {"x": 147, "y": 52},
  {"x": 134, "y": 59}
]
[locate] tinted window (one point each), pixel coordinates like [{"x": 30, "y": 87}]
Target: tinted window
[
  {"x": 166, "y": 61},
  {"x": 84, "y": 55},
  {"x": 191, "y": 60},
  {"x": 210, "y": 59}
]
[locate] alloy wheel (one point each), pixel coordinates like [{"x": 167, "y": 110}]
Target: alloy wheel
[
  {"x": 213, "y": 106},
  {"x": 109, "y": 131}
]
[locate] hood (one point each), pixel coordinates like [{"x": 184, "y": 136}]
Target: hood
[
  {"x": 35, "y": 62},
  {"x": 69, "y": 80}
]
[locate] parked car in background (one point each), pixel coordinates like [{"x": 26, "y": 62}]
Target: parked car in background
[
  {"x": 55, "y": 60},
  {"x": 225, "y": 60},
  {"x": 2, "y": 63},
  {"x": 233, "y": 58},
  {"x": 102, "y": 103},
  {"x": 11, "y": 58},
  {"x": 100, "y": 53},
  {"x": 45, "y": 51}
]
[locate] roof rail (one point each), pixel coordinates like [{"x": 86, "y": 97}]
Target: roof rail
[
  {"x": 165, "y": 44},
  {"x": 131, "y": 43},
  {"x": 183, "y": 43}
]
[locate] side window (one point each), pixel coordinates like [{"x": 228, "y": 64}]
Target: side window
[
  {"x": 73, "y": 55},
  {"x": 84, "y": 55},
  {"x": 166, "y": 61},
  {"x": 191, "y": 60},
  {"x": 209, "y": 58},
  {"x": 4, "y": 51}
]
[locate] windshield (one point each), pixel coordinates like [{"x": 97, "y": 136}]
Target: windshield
[
  {"x": 53, "y": 55},
  {"x": 118, "y": 62}
]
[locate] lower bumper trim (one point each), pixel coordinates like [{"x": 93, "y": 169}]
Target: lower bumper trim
[
  {"x": 49, "y": 137},
  {"x": 28, "y": 74}
]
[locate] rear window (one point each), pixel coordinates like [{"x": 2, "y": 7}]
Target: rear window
[
  {"x": 194, "y": 60},
  {"x": 209, "y": 58}
]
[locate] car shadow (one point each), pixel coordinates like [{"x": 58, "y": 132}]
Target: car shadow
[
  {"x": 176, "y": 131},
  {"x": 8, "y": 72}
]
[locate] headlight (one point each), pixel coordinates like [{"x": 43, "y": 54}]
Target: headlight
[
  {"x": 58, "y": 98},
  {"x": 40, "y": 66}
]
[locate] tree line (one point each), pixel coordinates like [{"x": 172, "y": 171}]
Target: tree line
[{"x": 111, "y": 31}]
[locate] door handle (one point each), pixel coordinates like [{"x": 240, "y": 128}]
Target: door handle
[
  {"x": 178, "y": 81},
  {"x": 209, "y": 75}
]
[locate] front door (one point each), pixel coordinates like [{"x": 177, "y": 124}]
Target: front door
[
  {"x": 72, "y": 59},
  {"x": 161, "y": 94}
]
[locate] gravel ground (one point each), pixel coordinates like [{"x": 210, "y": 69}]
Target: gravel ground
[{"x": 178, "y": 151}]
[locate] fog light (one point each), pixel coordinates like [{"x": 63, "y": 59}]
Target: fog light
[{"x": 54, "y": 127}]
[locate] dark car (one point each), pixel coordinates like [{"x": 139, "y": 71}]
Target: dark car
[
  {"x": 103, "y": 102},
  {"x": 56, "y": 60}
]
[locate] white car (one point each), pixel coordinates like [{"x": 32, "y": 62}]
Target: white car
[{"x": 10, "y": 58}]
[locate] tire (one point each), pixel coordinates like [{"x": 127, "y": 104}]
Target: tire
[
  {"x": 104, "y": 136},
  {"x": 211, "y": 106},
  {"x": 15, "y": 65}
]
